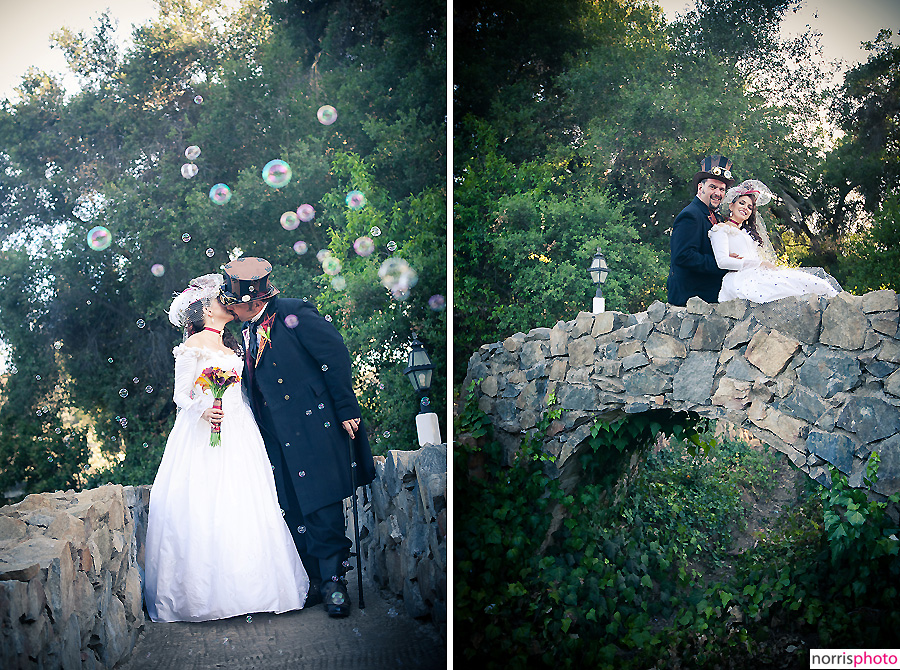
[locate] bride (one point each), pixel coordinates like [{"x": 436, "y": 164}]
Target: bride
[
  {"x": 740, "y": 244},
  {"x": 217, "y": 545}
]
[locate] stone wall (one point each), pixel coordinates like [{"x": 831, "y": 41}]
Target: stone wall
[
  {"x": 816, "y": 378},
  {"x": 403, "y": 530},
  {"x": 70, "y": 578},
  {"x": 71, "y": 564}
]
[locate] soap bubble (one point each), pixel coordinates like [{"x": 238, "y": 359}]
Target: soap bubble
[
  {"x": 392, "y": 246},
  {"x": 355, "y": 200},
  {"x": 157, "y": 270},
  {"x": 326, "y": 115},
  {"x": 364, "y": 246},
  {"x": 387, "y": 434},
  {"x": 49, "y": 459},
  {"x": 198, "y": 99},
  {"x": 322, "y": 254},
  {"x": 109, "y": 360},
  {"x": 123, "y": 422},
  {"x": 38, "y": 377},
  {"x": 186, "y": 238},
  {"x": 338, "y": 283},
  {"x": 123, "y": 393},
  {"x": 426, "y": 401},
  {"x": 375, "y": 232},
  {"x": 398, "y": 277},
  {"x": 140, "y": 323},
  {"x": 136, "y": 380},
  {"x": 220, "y": 194},
  {"x": 331, "y": 266},
  {"x": 306, "y": 212},
  {"x": 189, "y": 170},
  {"x": 276, "y": 173},
  {"x": 249, "y": 619},
  {"x": 290, "y": 220},
  {"x": 148, "y": 389},
  {"x": 291, "y": 321},
  {"x": 210, "y": 252},
  {"x": 145, "y": 445},
  {"x": 57, "y": 345},
  {"x": 301, "y": 247},
  {"x": 192, "y": 153},
  {"x": 87, "y": 302},
  {"x": 437, "y": 302},
  {"x": 99, "y": 238}
]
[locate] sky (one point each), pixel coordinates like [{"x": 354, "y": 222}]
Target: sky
[
  {"x": 843, "y": 23},
  {"x": 25, "y": 28},
  {"x": 26, "y": 25}
]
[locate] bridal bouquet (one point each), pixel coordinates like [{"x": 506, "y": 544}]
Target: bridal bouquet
[{"x": 217, "y": 380}]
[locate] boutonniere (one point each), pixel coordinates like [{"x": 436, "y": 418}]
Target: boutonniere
[{"x": 264, "y": 336}]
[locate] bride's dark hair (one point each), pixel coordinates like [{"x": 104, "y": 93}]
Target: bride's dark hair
[
  {"x": 749, "y": 226},
  {"x": 194, "y": 322}
]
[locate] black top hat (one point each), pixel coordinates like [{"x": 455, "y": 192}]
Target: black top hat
[
  {"x": 715, "y": 167},
  {"x": 247, "y": 279}
]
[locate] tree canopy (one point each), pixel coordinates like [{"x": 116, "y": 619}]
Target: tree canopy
[{"x": 88, "y": 342}]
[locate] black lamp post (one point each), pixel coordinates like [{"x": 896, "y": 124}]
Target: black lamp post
[
  {"x": 598, "y": 271},
  {"x": 419, "y": 371}
]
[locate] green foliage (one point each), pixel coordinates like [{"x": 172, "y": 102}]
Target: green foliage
[
  {"x": 523, "y": 244},
  {"x": 808, "y": 579},
  {"x": 111, "y": 155},
  {"x": 871, "y": 259},
  {"x": 689, "y": 498},
  {"x": 622, "y": 572},
  {"x": 545, "y": 577}
]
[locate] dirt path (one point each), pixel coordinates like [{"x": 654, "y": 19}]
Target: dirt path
[{"x": 381, "y": 636}]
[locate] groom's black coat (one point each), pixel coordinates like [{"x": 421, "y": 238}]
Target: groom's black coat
[
  {"x": 692, "y": 269},
  {"x": 300, "y": 393}
]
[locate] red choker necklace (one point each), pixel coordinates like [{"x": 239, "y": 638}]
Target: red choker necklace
[{"x": 213, "y": 330}]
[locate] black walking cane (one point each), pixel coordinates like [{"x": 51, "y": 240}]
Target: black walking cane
[{"x": 362, "y": 602}]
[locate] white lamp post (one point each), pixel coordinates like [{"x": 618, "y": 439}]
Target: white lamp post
[
  {"x": 419, "y": 371},
  {"x": 598, "y": 271}
]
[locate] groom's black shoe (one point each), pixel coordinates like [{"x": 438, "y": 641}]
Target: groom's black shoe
[
  {"x": 337, "y": 599},
  {"x": 314, "y": 595}
]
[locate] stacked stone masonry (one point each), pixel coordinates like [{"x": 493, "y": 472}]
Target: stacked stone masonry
[
  {"x": 403, "y": 530},
  {"x": 816, "y": 378},
  {"x": 70, "y": 578},
  {"x": 72, "y": 564}
]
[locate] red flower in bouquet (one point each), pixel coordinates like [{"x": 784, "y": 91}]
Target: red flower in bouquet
[{"x": 217, "y": 380}]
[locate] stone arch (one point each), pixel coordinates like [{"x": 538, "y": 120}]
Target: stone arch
[{"x": 816, "y": 378}]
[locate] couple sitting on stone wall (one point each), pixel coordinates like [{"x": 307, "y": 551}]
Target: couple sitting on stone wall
[{"x": 720, "y": 249}]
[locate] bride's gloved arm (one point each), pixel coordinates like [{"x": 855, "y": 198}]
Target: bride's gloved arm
[
  {"x": 187, "y": 398},
  {"x": 720, "y": 240}
]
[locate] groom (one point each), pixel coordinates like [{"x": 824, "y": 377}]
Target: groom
[
  {"x": 693, "y": 270},
  {"x": 297, "y": 377}
]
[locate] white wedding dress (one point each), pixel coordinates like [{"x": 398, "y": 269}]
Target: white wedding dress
[
  {"x": 217, "y": 544},
  {"x": 749, "y": 281}
]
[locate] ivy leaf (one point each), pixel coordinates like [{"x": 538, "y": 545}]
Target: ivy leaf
[{"x": 855, "y": 518}]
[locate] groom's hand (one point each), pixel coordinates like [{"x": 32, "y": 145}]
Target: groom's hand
[{"x": 351, "y": 426}]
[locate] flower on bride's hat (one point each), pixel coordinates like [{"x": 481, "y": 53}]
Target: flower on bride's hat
[{"x": 752, "y": 187}]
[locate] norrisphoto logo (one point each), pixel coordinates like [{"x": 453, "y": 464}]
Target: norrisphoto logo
[{"x": 854, "y": 658}]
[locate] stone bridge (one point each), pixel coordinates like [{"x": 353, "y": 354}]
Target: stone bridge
[{"x": 816, "y": 378}]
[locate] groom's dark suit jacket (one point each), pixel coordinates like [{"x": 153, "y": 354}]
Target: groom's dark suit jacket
[
  {"x": 692, "y": 269},
  {"x": 300, "y": 392}
]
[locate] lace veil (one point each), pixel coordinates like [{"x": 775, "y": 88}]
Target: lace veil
[{"x": 200, "y": 288}]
